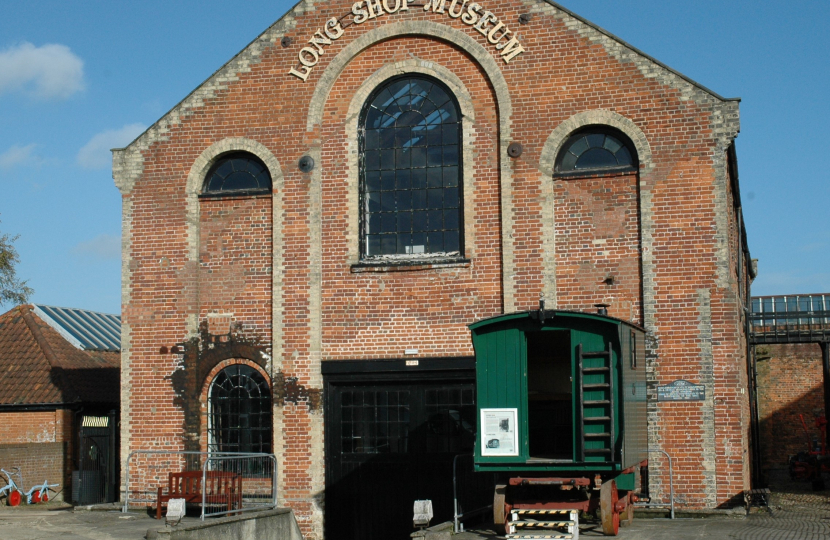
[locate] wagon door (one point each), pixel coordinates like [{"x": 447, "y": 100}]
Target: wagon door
[{"x": 550, "y": 395}]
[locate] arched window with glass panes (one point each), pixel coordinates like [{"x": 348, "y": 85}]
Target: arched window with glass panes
[
  {"x": 596, "y": 150},
  {"x": 237, "y": 173},
  {"x": 411, "y": 188},
  {"x": 239, "y": 409}
]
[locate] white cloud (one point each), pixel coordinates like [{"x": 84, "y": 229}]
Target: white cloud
[
  {"x": 48, "y": 72},
  {"x": 96, "y": 153},
  {"x": 17, "y": 155},
  {"x": 105, "y": 246}
]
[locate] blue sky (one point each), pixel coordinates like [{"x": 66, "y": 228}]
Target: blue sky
[{"x": 77, "y": 78}]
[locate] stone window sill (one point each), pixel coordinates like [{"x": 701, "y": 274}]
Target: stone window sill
[{"x": 408, "y": 265}]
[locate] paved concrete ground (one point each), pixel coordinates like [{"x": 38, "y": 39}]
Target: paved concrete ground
[
  {"x": 797, "y": 514},
  {"x": 57, "y": 523},
  {"x": 781, "y": 526}
]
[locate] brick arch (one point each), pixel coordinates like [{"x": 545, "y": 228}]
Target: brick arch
[
  {"x": 204, "y": 394},
  {"x": 547, "y": 161},
  {"x": 200, "y": 167},
  {"x": 484, "y": 60},
  {"x": 467, "y": 109},
  {"x": 195, "y": 181},
  {"x": 469, "y": 45},
  {"x": 595, "y": 118}
]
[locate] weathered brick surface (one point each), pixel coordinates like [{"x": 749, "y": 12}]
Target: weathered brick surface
[
  {"x": 661, "y": 247},
  {"x": 41, "y": 444},
  {"x": 789, "y": 386}
]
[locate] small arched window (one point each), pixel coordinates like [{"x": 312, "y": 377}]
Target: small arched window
[
  {"x": 596, "y": 149},
  {"x": 410, "y": 170},
  {"x": 238, "y": 173},
  {"x": 240, "y": 411}
]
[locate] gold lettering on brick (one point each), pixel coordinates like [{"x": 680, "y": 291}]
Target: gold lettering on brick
[
  {"x": 437, "y": 6},
  {"x": 510, "y": 50},
  {"x": 363, "y": 10},
  {"x": 456, "y": 14}
]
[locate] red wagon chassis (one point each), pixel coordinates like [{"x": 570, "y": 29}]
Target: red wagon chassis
[{"x": 602, "y": 496}]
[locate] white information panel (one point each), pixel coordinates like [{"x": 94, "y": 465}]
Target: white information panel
[{"x": 499, "y": 436}]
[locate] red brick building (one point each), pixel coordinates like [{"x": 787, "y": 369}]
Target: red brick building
[
  {"x": 789, "y": 388},
  {"x": 790, "y": 333},
  {"x": 337, "y": 203},
  {"x": 59, "y": 393}
]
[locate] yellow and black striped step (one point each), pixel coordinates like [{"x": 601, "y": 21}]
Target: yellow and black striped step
[
  {"x": 539, "y": 535},
  {"x": 564, "y": 526},
  {"x": 543, "y": 524},
  {"x": 563, "y": 515}
]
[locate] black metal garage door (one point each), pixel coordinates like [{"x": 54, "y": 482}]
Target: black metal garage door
[{"x": 391, "y": 435}]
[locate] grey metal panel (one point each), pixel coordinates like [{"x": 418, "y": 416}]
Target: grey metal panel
[
  {"x": 633, "y": 395},
  {"x": 85, "y": 329}
]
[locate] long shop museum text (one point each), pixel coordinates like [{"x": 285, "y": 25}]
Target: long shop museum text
[{"x": 470, "y": 13}]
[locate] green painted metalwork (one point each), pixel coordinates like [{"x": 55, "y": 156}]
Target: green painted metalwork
[
  {"x": 626, "y": 482},
  {"x": 502, "y": 346}
]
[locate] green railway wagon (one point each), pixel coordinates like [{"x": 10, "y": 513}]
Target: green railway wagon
[{"x": 561, "y": 400}]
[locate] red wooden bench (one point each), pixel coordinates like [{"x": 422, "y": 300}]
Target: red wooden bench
[{"x": 221, "y": 487}]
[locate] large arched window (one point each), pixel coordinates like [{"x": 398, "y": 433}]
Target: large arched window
[
  {"x": 410, "y": 171},
  {"x": 240, "y": 411},
  {"x": 237, "y": 173},
  {"x": 597, "y": 149}
]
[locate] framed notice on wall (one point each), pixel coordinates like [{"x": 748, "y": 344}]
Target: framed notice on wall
[{"x": 499, "y": 436}]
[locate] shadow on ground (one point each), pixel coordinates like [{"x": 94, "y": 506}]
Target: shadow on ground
[{"x": 796, "y": 513}]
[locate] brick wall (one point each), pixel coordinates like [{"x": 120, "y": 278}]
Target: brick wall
[
  {"x": 789, "y": 384},
  {"x": 41, "y": 444},
  {"x": 597, "y": 236},
  {"x": 283, "y": 266}
]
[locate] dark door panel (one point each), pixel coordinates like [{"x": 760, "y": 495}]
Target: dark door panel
[{"x": 389, "y": 443}]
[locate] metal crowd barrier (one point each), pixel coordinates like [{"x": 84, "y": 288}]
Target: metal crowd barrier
[
  {"x": 147, "y": 470},
  {"x": 671, "y": 488}
]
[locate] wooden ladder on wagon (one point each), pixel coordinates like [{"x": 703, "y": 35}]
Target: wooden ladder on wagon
[{"x": 596, "y": 412}]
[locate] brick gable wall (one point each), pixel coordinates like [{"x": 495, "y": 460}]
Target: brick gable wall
[{"x": 283, "y": 266}]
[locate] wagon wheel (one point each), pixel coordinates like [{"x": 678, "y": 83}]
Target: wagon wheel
[
  {"x": 608, "y": 508},
  {"x": 36, "y": 496},
  {"x": 45, "y": 497},
  {"x": 499, "y": 514},
  {"x": 14, "y": 498}
]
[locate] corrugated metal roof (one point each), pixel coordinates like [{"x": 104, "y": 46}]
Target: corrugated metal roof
[
  {"x": 38, "y": 365},
  {"x": 87, "y": 330}
]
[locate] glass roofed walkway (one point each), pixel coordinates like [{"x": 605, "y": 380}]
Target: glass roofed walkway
[{"x": 791, "y": 319}]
